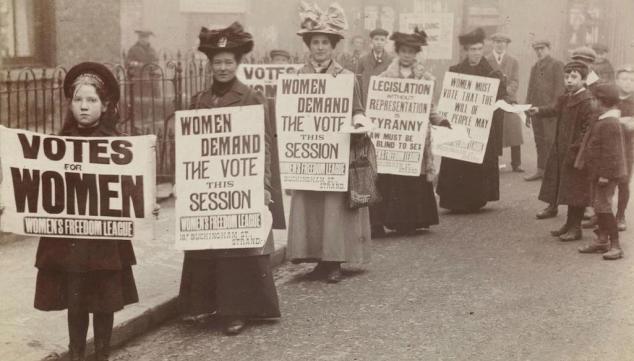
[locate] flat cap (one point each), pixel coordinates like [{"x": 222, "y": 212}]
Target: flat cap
[
  {"x": 144, "y": 32},
  {"x": 584, "y": 54},
  {"x": 279, "y": 52},
  {"x": 600, "y": 48},
  {"x": 500, "y": 37},
  {"x": 542, "y": 43},
  {"x": 625, "y": 68},
  {"x": 378, "y": 32}
]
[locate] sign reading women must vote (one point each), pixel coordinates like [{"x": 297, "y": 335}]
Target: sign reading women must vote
[
  {"x": 77, "y": 187},
  {"x": 263, "y": 77},
  {"x": 468, "y": 101},
  {"x": 399, "y": 108},
  {"x": 313, "y": 113},
  {"x": 220, "y": 160}
]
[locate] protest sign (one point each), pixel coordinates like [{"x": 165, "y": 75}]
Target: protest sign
[
  {"x": 467, "y": 101},
  {"x": 439, "y": 30},
  {"x": 77, "y": 187},
  {"x": 263, "y": 77},
  {"x": 220, "y": 165},
  {"x": 313, "y": 113},
  {"x": 399, "y": 108}
]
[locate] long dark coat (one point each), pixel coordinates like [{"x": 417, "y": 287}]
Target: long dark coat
[
  {"x": 238, "y": 95},
  {"x": 602, "y": 152},
  {"x": 105, "y": 263},
  {"x": 563, "y": 183},
  {"x": 370, "y": 66},
  {"x": 237, "y": 282},
  {"x": 277, "y": 207},
  {"x": 469, "y": 186}
]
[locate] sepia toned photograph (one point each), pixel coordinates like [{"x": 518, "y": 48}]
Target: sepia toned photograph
[{"x": 328, "y": 180}]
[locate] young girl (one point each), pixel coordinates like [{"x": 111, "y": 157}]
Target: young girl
[{"x": 87, "y": 276}]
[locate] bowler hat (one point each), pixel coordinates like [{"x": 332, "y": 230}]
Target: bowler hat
[
  {"x": 96, "y": 71},
  {"x": 232, "y": 39}
]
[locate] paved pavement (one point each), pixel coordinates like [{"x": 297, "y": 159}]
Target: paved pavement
[
  {"x": 489, "y": 286},
  {"x": 27, "y": 334}
]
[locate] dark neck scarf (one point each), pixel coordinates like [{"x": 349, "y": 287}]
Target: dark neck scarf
[{"x": 221, "y": 88}]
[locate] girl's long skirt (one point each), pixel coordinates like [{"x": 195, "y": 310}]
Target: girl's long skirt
[{"x": 408, "y": 202}]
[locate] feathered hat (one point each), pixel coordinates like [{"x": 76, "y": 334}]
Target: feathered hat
[
  {"x": 416, "y": 40},
  {"x": 233, "y": 39},
  {"x": 473, "y": 37},
  {"x": 313, "y": 20}
]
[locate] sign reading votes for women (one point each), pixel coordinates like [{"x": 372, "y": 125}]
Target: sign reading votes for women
[
  {"x": 468, "y": 101},
  {"x": 77, "y": 187},
  {"x": 263, "y": 77},
  {"x": 313, "y": 113},
  {"x": 220, "y": 163},
  {"x": 399, "y": 108}
]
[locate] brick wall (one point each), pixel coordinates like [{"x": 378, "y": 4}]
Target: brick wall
[{"x": 80, "y": 23}]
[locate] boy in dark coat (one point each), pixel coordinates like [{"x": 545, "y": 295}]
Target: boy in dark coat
[
  {"x": 625, "y": 83},
  {"x": 563, "y": 183},
  {"x": 375, "y": 62},
  {"x": 602, "y": 155}
]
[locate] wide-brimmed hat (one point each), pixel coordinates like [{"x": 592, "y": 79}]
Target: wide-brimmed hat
[
  {"x": 144, "y": 32},
  {"x": 233, "y": 39},
  {"x": 417, "y": 39},
  {"x": 500, "y": 37},
  {"x": 313, "y": 20},
  {"x": 473, "y": 37},
  {"x": 97, "y": 72}
]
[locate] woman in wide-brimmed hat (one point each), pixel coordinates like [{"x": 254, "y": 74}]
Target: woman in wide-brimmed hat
[
  {"x": 408, "y": 202},
  {"x": 322, "y": 228},
  {"x": 237, "y": 284}
]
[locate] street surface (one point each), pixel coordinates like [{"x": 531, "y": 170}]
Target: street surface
[{"x": 489, "y": 286}]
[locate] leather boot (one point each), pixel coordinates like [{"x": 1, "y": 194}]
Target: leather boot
[
  {"x": 573, "y": 234},
  {"x": 615, "y": 251},
  {"x": 102, "y": 328},
  {"x": 560, "y": 231},
  {"x": 591, "y": 223},
  {"x": 600, "y": 245},
  {"x": 334, "y": 272},
  {"x": 77, "y": 329},
  {"x": 548, "y": 212}
]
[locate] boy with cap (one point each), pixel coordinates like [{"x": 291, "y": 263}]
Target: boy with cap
[
  {"x": 375, "y": 62},
  {"x": 602, "y": 65},
  {"x": 602, "y": 155},
  {"x": 625, "y": 83},
  {"x": 279, "y": 56},
  {"x": 563, "y": 183}
]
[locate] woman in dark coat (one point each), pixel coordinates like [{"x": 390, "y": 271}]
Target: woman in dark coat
[
  {"x": 408, "y": 202},
  {"x": 84, "y": 275},
  {"x": 464, "y": 186},
  {"x": 235, "y": 284}
]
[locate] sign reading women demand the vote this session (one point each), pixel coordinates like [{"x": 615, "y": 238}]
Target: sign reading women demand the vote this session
[
  {"x": 399, "y": 108},
  {"x": 77, "y": 187},
  {"x": 263, "y": 77},
  {"x": 220, "y": 170},
  {"x": 314, "y": 111},
  {"x": 468, "y": 101}
]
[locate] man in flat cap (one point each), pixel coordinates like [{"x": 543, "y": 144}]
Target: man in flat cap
[
  {"x": 139, "y": 55},
  {"x": 509, "y": 66},
  {"x": 602, "y": 65},
  {"x": 546, "y": 84},
  {"x": 375, "y": 62},
  {"x": 279, "y": 56}
]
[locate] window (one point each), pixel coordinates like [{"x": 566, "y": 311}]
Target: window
[{"x": 26, "y": 32}]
